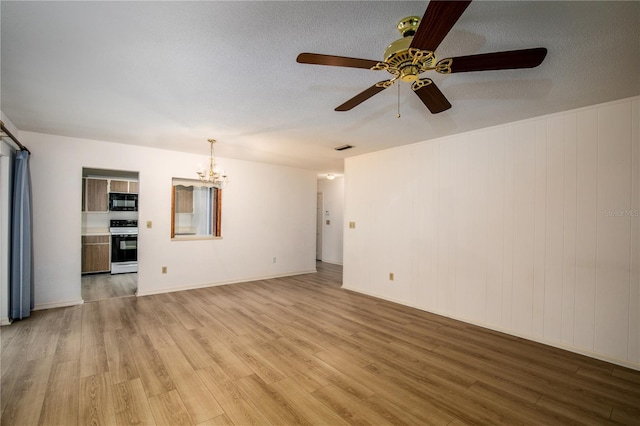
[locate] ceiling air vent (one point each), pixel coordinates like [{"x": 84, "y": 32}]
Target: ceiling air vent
[{"x": 343, "y": 147}]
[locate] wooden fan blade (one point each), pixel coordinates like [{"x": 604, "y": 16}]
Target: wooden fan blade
[
  {"x": 433, "y": 98},
  {"x": 436, "y": 23},
  {"x": 360, "y": 98},
  {"x": 336, "y": 61},
  {"x": 513, "y": 59}
]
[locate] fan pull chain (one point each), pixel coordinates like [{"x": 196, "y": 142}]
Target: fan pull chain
[{"x": 398, "y": 101}]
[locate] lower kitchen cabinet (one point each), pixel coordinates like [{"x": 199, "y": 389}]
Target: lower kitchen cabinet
[{"x": 96, "y": 253}]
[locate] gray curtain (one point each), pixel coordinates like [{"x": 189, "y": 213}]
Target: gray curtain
[{"x": 21, "y": 278}]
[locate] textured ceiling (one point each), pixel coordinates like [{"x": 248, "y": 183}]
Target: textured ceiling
[{"x": 172, "y": 74}]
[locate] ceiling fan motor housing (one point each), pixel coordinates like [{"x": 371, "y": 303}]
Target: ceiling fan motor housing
[{"x": 397, "y": 53}]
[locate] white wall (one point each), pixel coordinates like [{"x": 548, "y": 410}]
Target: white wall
[
  {"x": 267, "y": 211},
  {"x": 332, "y": 234},
  {"x": 530, "y": 228}
]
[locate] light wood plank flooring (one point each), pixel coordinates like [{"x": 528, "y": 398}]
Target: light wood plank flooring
[
  {"x": 107, "y": 286},
  {"x": 296, "y": 350}
]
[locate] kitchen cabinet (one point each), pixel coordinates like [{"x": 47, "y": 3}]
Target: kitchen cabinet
[
  {"x": 96, "y": 198},
  {"x": 184, "y": 199},
  {"x": 96, "y": 253},
  {"x": 119, "y": 186},
  {"x": 95, "y": 192},
  {"x": 124, "y": 186}
]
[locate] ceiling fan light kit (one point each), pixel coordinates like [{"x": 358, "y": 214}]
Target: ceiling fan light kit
[{"x": 415, "y": 53}]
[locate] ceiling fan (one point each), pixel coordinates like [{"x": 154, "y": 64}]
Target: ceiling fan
[{"x": 405, "y": 59}]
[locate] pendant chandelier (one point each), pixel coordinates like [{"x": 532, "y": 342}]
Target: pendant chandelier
[{"x": 213, "y": 176}]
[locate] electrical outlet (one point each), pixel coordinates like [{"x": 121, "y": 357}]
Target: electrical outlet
[
  {"x": 352, "y": 225},
  {"x": 149, "y": 224},
  {"x": 328, "y": 222},
  {"x": 164, "y": 269},
  {"x": 390, "y": 276},
  {"x": 274, "y": 260}
]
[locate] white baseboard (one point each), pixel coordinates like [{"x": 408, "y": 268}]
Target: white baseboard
[
  {"x": 214, "y": 284},
  {"x": 43, "y": 306},
  {"x": 333, "y": 262},
  {"x": 53, "y": 305},
  {"x": 560, "y": 345}
]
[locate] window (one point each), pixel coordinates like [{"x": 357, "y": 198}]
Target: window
[{"x": 195, "y": 210}]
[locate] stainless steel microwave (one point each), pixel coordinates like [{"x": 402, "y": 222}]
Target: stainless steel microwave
[{"x": 119, "y": 201}]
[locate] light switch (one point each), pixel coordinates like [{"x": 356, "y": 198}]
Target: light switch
[
  {"x": 352, "y": 225},
  {"x": 149, "y": 224}
]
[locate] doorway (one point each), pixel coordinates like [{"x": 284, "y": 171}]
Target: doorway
[
  {"x": 99, "y": 278},
  {"x": 319, "y": 210},
  {"x": 100, "y": 286}
]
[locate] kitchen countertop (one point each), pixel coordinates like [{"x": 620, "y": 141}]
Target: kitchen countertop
[
  {"x": 95, "y": 231},
  {"x": 185, "y": 230}
]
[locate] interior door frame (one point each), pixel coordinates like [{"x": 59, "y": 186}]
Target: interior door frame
[{"x": 319, "y": 227}]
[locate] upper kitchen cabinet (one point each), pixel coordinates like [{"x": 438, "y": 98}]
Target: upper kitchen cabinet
[
  {"x": 95, "y": 195},
  {"x": 183, "y": 199},
  {"x": 119, "y": 186},
  {"x": 124, "y": 186},
  {"x": 97, "y": 184}
]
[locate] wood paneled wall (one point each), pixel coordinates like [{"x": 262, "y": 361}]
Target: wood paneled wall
[{"x": 531, "y": 228}]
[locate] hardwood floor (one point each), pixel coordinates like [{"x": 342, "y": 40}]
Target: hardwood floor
[
  {"x": 296, "y": 350},
  {"x": 107, "y": 286}
]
